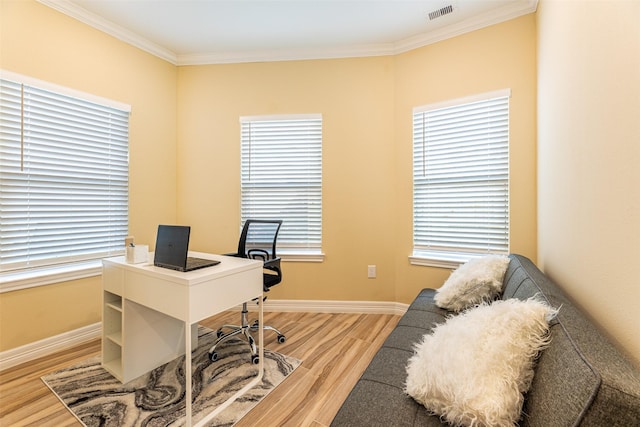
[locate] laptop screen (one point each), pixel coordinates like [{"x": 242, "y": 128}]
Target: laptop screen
[{"x": 172, "y": 244}]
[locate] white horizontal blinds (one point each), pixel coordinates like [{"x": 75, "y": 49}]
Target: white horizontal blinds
[
  {"x": 63, "y": 177},
  {"x": 282, "y": 176},
  {"x": 461, "y": 176}
]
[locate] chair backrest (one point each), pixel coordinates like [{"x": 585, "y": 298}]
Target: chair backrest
[{"x": 258, "y": 239}]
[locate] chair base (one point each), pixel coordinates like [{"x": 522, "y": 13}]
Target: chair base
[{"x": 243, "y": 330}]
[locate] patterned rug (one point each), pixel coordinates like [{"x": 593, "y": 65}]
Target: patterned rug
[{"x": 157, "y": 398}]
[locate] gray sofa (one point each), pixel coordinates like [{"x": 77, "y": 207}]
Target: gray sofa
[{"x": 581, "y": 379}]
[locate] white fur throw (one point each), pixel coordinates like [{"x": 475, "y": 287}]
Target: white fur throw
[
  {"x": 473, "y": 369},
  {"x": 472, "y": 283}
]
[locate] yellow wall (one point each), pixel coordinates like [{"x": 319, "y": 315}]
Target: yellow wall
[
  {"x": 498, "y": 57},
  {"x": 366, "y": 106},
  {"x": 39, "y": 42},
  {"x": 589, "y": 157},
  {"x": 355, "y": 98}
]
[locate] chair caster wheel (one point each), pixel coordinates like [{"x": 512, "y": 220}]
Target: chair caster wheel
[
  {"x": 281, "y": 339},
  {"x": 255, "y": 359},
  {"x": 213, "y": 356}
]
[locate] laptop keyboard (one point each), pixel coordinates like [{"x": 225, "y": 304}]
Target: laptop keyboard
[{"x": 197, "y": 262}]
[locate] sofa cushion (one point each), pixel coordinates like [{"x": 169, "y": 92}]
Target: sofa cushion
[
  {"x": 474, "y": 369},
  {"x": 581, "y": 379},
  {"x": 476, "y": 281}
]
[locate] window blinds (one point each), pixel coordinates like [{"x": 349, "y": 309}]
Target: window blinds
[
  {"x": 461, "y": 176},
  {"x": 63, "y": 177},
  {"x": 281, "y": 167}
]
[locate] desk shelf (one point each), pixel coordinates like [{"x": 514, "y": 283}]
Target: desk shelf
[
  {"x": 114, "y": 365},
  {"x": 112, "y": 333},
  {"x": 116, "y": 305},
  {"x": 128, "y": 349},
  {"x": 116, "y": 338}
]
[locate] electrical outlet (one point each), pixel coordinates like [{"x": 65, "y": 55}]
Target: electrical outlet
[{"x": 371, "y": 271}]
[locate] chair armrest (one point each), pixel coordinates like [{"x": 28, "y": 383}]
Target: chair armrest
[{"x": 272, "y": 264}]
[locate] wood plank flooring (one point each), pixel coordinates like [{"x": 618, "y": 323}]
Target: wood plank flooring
[{"x": 334, "y": 349}]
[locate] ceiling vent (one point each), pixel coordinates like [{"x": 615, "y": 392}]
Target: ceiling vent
[{"x": 440, "y": 12}]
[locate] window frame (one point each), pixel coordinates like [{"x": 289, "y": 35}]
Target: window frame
[
  {"x": 287, "y": 251},
  {"x": 80, "y": 267},
  {"x": 441, "y": 256}
]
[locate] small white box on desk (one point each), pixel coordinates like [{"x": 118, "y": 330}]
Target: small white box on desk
[{"x": 137, "y": 254}]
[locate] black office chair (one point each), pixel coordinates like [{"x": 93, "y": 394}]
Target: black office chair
[{"x": 257, "y": 241}]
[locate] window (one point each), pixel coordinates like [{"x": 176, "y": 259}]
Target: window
[
  {"x": 461, "y": 179},
  {"x": 63, "y": 176},
  {"x": 281, "y": 168}
]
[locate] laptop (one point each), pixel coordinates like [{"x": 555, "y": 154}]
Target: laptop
[{"x": 172, "y": 245}]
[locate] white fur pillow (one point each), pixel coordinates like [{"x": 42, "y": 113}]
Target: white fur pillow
[
  {"x": 473, "y": 369},
  {"x": 472, "y": 283}
]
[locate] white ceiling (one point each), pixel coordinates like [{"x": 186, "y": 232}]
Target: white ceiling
[{"x": 187, "y": 32}]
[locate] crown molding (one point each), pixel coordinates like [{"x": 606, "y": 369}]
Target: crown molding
[
  {"x": 70, "y": 9},
  {"x": 287, "y": 55},
  {"x": 509, "y": 11},
  {"x": 505, "y": 13}
]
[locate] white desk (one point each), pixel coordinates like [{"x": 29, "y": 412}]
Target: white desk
[{"x": 150, "y": 313}]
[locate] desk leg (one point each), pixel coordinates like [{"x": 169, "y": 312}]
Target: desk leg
[
  {"x": 189, "y": 376},
  {"x": 261, "y": 336},
  {"x": 188, "y": 379}
]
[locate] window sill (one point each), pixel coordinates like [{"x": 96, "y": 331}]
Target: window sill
[
  {"x": 301, "y": 255},
  {"x": 16, "y": 280},
  {"x": 450, "y": 260}
]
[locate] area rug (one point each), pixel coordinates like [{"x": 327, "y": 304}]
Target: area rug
[{"x": 157, "y": 398}]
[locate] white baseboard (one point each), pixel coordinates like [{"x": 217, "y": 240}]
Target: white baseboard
[
  {"x": 314, "y": 306},
  {"x": 44, "y": 347}
]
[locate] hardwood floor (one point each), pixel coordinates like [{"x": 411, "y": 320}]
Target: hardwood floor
[{"x": 334, "y": 349}]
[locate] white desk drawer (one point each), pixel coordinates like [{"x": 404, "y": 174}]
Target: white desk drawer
[{"x": 162, "y": 295}]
